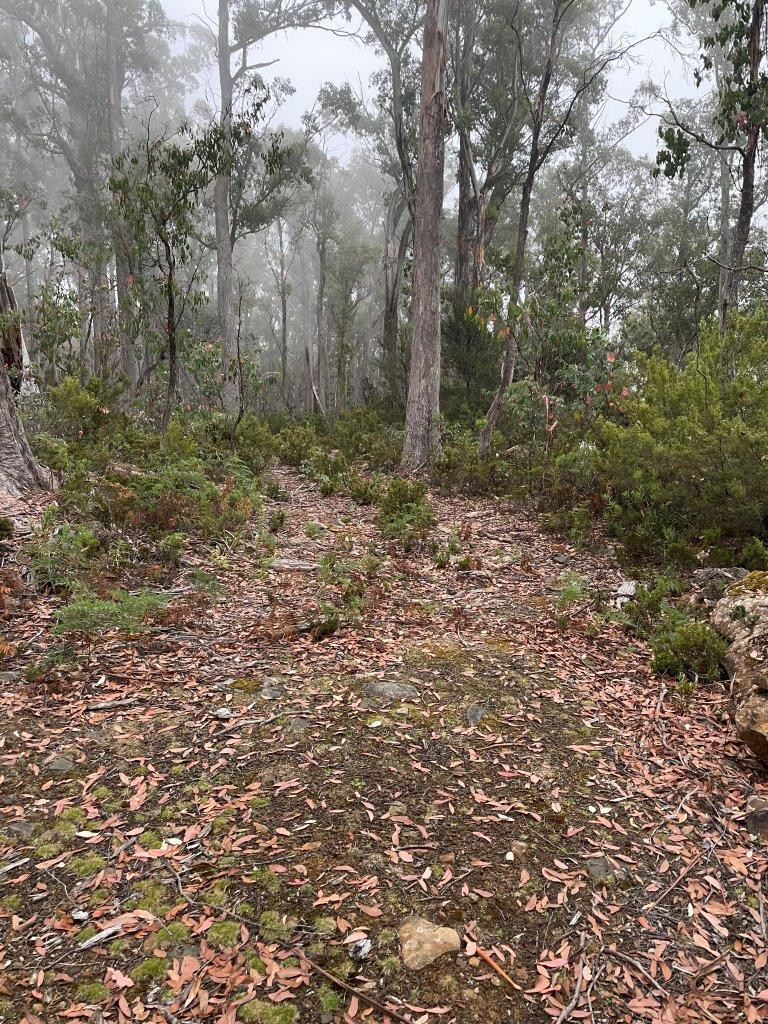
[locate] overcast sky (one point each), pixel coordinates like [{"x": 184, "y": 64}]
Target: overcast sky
[{"x": 310, "y": 58}]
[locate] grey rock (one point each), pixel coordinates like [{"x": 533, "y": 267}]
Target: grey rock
[
  {"x": 224, "y": 713},
  {"x": 560, "y": 559},
  {"x": 391, "y": 690},
  {"x": 476, "y": 713},
  {"x": 24, "y": 829},
  {"x": 10, "y": 677},
  {"x": 422, "y": 942},
  {"x": 60, "y": 765},
  {"x": 271, "y": 689},
  {"x": 299, "y": 725}
]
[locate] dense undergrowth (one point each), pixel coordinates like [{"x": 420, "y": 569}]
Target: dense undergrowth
[{"x": 668, "y": 460}]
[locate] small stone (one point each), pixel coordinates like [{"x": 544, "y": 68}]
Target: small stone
[
  {"x": 397, "y": 808},
  {"x": 422, "y": 942},
  {"x": 757, "y": 816},
  {"x": 391, "y": 690},
  {"x": 10, "y": 677},
  {"x": 560, "y": 559},
  {"x": 299, "y": 725},
  {"x": 272, "y": 689},
  {"x": 516, "y": 850},
  {"x": 60, "y": 765},
  {"x": 224, "y": 713},
  {"x": 599, "y": 869},
  {"x": 476, "y": 713},
  {"x": 474, "y": 961},
  {"x": 80, "y": 915},
  {"x": 21, "y": 828},
  {"x": 447, "y": 858}
]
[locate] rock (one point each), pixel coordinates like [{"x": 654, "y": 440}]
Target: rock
[
  {"x": 476, "y": 713},
  {"x": 600, "y": 869},
  {"x": 741, "y": 616},
  {"x": 757, "y": 816},
  {"x": 271, "y": 689},
  {"x": 712, "y": 583},
  {"x": 223, "y": 713},
  {"x": 10, "y": 677},
  {"x": 560, "y": 559},
  {"x": 624, "y": 592},
  {"x": 60, "y": 765},
  {"x": 299, "y": 725},
  {"x": 24, "y": 829},
  {"x": 422, "y": 942},
  {"x": 391, "y": 690}
]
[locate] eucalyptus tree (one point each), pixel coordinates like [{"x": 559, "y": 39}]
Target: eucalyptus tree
[
  {"x": 577, "y": 50},
  {"x": 76, "y": 59},
  {"x": 731, "y": 36},
  {"x": 422, "y": 413},
  {"x": 241, "y": 26}
]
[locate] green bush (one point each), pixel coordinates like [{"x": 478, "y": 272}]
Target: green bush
[
  {"x": 89, "y": 615},
  {"x": 754, "y": 555},
  {"x": 405, "y": 513},
  {"x": 690, "y": 649},
  {"x": 60, "y": 553}
]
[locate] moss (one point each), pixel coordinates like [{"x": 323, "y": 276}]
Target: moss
[
  {"x": 65, "y": 829},
  {"x": 10, "y": 903},
  {"x": 171, "y": 936},
  {"x": 753, "y": 583},
  {"x": 246, "y": 909},
  {"x": 274, "y": 926},
  {"x": 86, "y": 933},
  {"x": 150, "y": 840},
  {"x": 389, "y": 965},
  {"x": 223, "y": 934},
  {"x": 118, "y": 946},
  {"x": 258, "y": 803},
  {"x": 44, "y": 851},
  {"x": 152, "y": 897},
  {"x": 247, "y": 685},
  {"x": 261, "y": 1012},
  {"x": 152, "y": 969},
  {"x": 88, "y": 864},
  {"x": 75, "y": 814},
  {"x": 215, "y": 895},
  {"x": 101, "y": 793},
  {"x": 98, "y": 896},
  {"x": 325, "y": 925},
  {"x": 92, "y": 992},
  {"x": 265, "y": 880},
  {"x": 254, "y": 961},
  {"x": 329, "y": 999}
]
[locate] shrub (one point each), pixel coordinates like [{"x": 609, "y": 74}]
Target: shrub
[
  {"x": 60, "y": 553},
  {"x": 690, "y": 649},
  {"x": 89, "y": 615},
  {"x": 405, "y": 513},
  {"x": 754, "y": 555}
]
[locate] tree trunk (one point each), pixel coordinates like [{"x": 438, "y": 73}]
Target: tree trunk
[
  {"x": 322, "y": 338},
  {"x": 224, "y": 265},
  {"x": 740, "y": 239},
  {"x": 393, "y": 280},
  {"x": 422, "y": 417},
  {"x": 173, "y": 356},
  {"x": 19, "y": 470},
  {"x": 725, "y": 227},
  {"x": 127, "y": 357}
]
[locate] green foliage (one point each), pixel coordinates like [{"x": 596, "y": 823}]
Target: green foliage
[
  {"x": 405, "y": 513},
  {"x": 60, "y": 553},
  {"x": 754, "y": 555},
  {"x": 690, "y": 649},
  {"x": 7, "y": 528},
  {"x": 90, "y": 615}
]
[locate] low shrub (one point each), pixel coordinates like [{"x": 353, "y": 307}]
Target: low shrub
[
  {"x": 405, "y": 513},
  {"x": 690, "y": 649},
  {"x": 88, "y": 614}
]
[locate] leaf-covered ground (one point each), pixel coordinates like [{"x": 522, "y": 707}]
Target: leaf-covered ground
[{"x": 187, "y": 814}]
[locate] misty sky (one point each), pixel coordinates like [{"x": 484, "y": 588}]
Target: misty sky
[{"x": 310, "y": 58}]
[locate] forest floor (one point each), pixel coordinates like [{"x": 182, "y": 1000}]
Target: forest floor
[{"x": 188, "y": 813}]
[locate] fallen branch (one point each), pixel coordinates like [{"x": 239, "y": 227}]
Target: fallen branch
[
  {"x": 614, "y": 954},
  {"x": 677, "y": 881},
  {"x": 486, "y": 958}
]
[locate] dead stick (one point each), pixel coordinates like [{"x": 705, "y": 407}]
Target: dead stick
[
  {"x": 638, "y": 967},
  {"x": 680, "y": 877},
  {"x": 492, "y": 963}
]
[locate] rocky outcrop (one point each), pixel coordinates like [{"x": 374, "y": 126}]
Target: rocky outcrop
[{"x": 741, "y": 616}]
